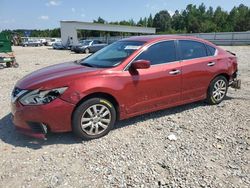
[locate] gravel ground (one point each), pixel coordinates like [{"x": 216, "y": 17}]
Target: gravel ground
[{"x": 210, "y": 145}]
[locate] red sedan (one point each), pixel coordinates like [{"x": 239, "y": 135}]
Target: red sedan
[{"x": 125, "y": 79}]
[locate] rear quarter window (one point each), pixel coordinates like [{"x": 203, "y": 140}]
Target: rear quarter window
[{"x": 211, "y": 50}]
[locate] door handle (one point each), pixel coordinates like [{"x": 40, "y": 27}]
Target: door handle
[
  {"x": 174, "y": 72},
  {"x": 210, "y": 64}
]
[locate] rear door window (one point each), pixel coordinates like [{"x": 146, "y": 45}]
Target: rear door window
[{"x": 192, "y": 49}]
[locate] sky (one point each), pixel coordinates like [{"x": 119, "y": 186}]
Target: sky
[{"x": 46, "y": 14}]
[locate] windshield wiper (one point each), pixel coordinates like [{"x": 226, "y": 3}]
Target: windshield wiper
[
  {"x": 77, "y": 61},
  {"x": 87, "y": 65}
]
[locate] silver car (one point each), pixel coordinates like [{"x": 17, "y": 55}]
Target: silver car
[
  {"x": 58, "y": 46},
  {"x": 32, "y": 43},
  {"x": 88, "y": 46}
]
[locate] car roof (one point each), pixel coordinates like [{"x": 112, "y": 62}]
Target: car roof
[{"x": 152, "y": 38}]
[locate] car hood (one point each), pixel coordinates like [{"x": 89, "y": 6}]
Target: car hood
[{"x": 55, "y": 76}]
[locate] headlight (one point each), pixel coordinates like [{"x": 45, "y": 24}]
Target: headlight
[{"x": 38, "y": 97}]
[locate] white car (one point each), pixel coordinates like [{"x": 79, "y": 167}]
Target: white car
[
  {"x": 53, "y": 40},
  {"x": 43, "y": 41}
]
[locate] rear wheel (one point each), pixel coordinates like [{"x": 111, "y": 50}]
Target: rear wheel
[
  {"x": 94, "y": 118},
  {"x": 217, "y": 90}
]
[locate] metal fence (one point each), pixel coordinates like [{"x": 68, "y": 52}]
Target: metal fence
[{"x": 224, "y": 39}]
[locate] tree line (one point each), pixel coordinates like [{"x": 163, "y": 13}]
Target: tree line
[{"x": 193, "y": 19}]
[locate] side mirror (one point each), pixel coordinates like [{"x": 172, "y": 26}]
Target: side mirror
[{"x": 141, "y": 64}]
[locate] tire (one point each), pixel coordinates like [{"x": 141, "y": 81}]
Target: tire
[
  {"x": 87, "y": 124},
  {"x": 217, "y": 90},
  {"x": 15, "y": 65},
  {"x": 86, "y": 51},
  {"x": 8, "y": 64}
]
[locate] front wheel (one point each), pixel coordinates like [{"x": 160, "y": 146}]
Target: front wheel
[
  {"x": 15, "y": 65},
  {"x": 94, "y": 118},
  {"x": 217, "y": 90},
  {"x": 86, "y": 51}
]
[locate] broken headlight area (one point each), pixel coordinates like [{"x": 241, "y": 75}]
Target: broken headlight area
[{"x": 40, "y": 97}]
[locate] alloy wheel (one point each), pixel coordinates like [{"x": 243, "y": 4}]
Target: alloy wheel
[
  {"x": 95, "y": 119},
  {"x": 219, "y": 90}
]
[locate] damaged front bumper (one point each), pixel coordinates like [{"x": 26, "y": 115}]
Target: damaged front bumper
[{"x": 37, "y": 121}]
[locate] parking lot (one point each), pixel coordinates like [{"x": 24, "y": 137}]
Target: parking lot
[{"x": 212, "y": 147}]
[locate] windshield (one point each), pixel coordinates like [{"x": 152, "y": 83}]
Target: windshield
[
  {"x": 113, "y": 54},
  {"x": 85, "y": 42}
]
